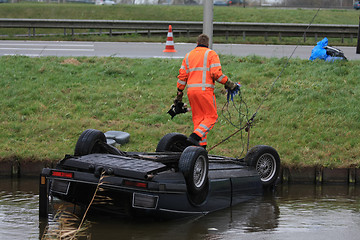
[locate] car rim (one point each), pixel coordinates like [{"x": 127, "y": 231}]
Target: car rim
[
  {"x": 199, "y": 171},
  {"x": 266, "y": 166}
]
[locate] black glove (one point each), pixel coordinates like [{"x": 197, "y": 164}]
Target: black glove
[{"x": 230, "y": 85}]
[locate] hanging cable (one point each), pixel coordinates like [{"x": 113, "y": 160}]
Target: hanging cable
[
  {"x": 241, "y": 116},
  {"x": 240, "y": 112}
]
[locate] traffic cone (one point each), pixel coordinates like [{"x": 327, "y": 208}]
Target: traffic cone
[{"x": 170, "y": 47}]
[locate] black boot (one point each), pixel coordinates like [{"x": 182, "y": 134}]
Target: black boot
[{"x": 194, "y": 139}]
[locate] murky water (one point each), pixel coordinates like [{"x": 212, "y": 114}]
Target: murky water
[
  {"x": 19, "y": 209},
  {"x": 293, "y": 212}
]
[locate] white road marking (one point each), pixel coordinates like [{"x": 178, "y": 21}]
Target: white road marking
[
  {"x": 46, "y": 45},
  {"x": 49, "y": 49},
  {"x": 26, "y": 55},
  {"x": 168, "y": 56}
]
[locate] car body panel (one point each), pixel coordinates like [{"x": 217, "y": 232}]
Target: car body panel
[{"x": 139, "y": 187}]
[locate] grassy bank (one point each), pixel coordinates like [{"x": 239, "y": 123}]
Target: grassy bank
[
  {"x": 171, "y": 13},
  {"x": 176, "y": 13},
  {"x": 312, "y": 116}
]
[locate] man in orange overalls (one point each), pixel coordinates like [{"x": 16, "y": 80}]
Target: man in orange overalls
[{"x": 199, "y": 70}]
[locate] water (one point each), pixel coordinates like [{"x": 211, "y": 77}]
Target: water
[
  {"x": 293, "y": 212},
  {"x": 19, "y": 209}
]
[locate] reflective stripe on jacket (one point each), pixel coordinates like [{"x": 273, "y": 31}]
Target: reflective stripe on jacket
[{"x": 200, "y": 69}]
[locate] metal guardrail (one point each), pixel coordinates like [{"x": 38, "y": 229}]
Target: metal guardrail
[{"x": 189, "y": 28}]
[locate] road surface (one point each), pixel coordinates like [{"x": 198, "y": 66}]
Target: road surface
[{"x": 150, "y": 50}]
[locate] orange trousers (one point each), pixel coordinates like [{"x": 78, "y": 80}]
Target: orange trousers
[{"x": 204, "y": 112}]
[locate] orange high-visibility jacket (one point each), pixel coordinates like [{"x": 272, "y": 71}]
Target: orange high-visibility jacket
[{"x": 200, "y": 69}]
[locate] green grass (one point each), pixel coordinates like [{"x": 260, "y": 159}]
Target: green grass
[
  {"x": 175, "y": 13},
  {"x": 170, "y": 13},
  {"x": 312, "y": 115}
]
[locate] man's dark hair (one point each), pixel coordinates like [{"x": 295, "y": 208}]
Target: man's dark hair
[{"x": 203, "y": 39}]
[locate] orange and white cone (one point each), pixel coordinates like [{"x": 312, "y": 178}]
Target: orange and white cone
[{"x": 170, "y": 46}]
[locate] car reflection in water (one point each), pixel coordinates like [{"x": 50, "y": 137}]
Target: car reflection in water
[{"x": 260, "y": 214}]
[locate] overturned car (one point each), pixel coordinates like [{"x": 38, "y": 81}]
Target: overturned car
[{"x": 175, "y": 181}]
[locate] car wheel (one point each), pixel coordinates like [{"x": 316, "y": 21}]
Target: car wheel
[
  {"x": 266, "y": 161},
  {"x": 194, "y": 165},
  {"x": 90, "y": 141},
  {"x": 172, "y": 142}
]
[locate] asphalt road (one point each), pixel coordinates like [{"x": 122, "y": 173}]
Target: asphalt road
[{"x": 149, "y": 50}]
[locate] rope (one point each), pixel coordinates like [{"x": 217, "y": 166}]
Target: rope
[
  {"x": 250, "y": 121},
  {"x": 241, "y": 117}
]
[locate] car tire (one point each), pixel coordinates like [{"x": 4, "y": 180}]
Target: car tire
[
  {"x": 90, "y": 141},
  {"x": 172, "y": 142},
  {"x": 194, "y": 164},
  {"x": 266, "y": 161}
]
